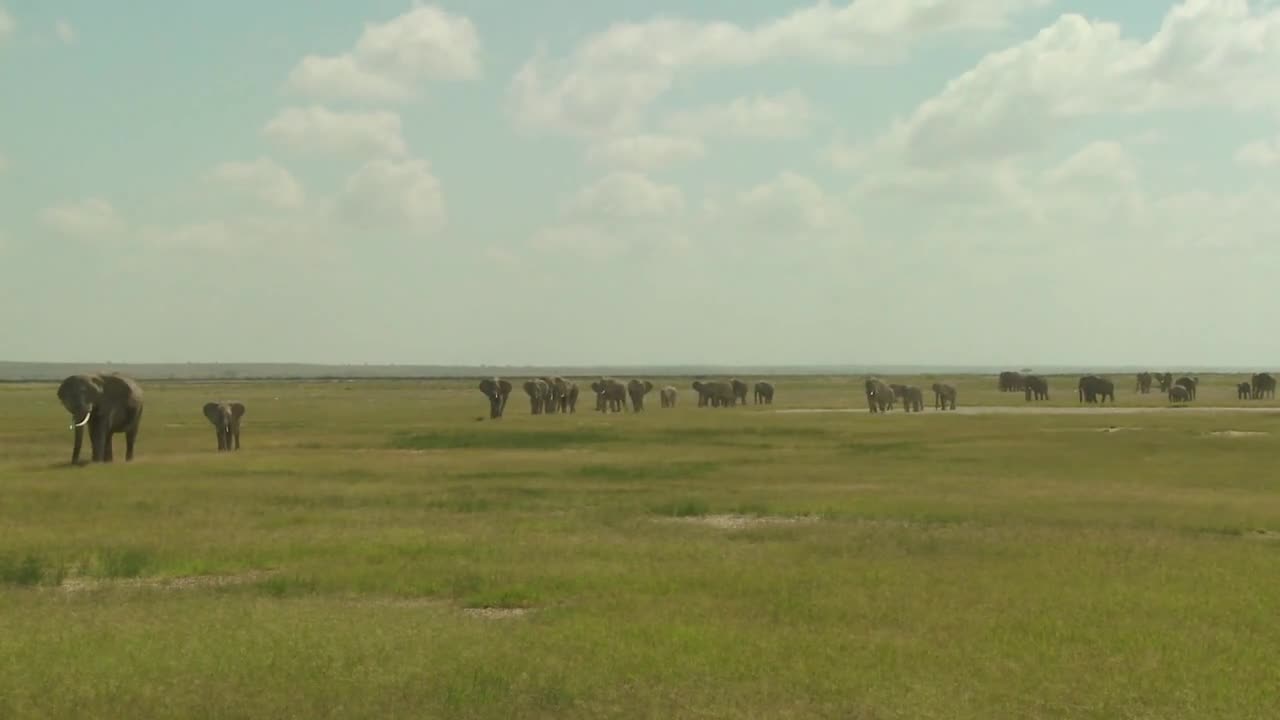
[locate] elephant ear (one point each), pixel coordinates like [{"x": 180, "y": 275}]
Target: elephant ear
[
  {"x": 648, "y": 386},
  {"x": 213, "y": 411},
  {"x": 505, "y": 386},
  {"x": 237, "y": 410},
  {"x": 486, "y": 386}
]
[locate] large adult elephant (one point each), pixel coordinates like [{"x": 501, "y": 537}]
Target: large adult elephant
[
  {"x": 611, "y": 395},
  {"x": 879, "y": 395},
  {"x": 225, "y": 417},
  {"x": 1189, "y": 383},
  {"x": 668, "y": 396},
  {"x": 1244, "y": 391},
  {"x": 1035, "y": 387},
  {"x": 636, "y": 390},
  {"x": 1264, "y": 385},
  {"x": 569, "y": 402},
  {"x": 107, "y": 404},
  {"x": 944, "y": 395},
  {"x": 910, "y": 395},
  {"x": 1165, "y": 381},
  {"x": 739, "y": 391},
  {"x": 1011, "y": 381},
  {"x": 1179, "y": 394},
  {"x": 764, "y": 393},
  {"x": 716, "y": 393},
  {"x": 539, "y": 395},
  {"x": 1092, "y": 388},
  {"x": 1144, "y": 382},
  {"x": 497, "y": 390}
]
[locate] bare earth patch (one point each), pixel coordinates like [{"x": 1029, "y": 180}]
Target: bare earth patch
[
  {"x": 1041, "y": 410},
  {"x": 496, "y": 613},
  {"x": 1236, "y": 433},
  {"x": 737, "y": 522},
  {"x": 186, "y": 582}
]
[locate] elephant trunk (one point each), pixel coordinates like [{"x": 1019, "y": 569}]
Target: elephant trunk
[{"x": 82, "y": 423}]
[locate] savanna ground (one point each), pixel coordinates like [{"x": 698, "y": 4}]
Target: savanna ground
[{"x": 368, "y": 553}]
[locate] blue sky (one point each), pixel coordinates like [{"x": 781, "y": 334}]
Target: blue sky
[{"x": 1005, "y": 182}]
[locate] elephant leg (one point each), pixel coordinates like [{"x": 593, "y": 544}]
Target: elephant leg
[
  {"x": 96, "y": 437},
  {"x": 75, "y": 448},
  {"x": 236, "y": 433},
  {"x": 107, "y": 454},
  {"x": 131, "y": 435}
]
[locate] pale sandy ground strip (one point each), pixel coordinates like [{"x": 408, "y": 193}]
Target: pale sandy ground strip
[{"x": 1041, "y": 410}]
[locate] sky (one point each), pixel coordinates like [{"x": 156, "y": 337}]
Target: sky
[{"x": 942, "y": 182}]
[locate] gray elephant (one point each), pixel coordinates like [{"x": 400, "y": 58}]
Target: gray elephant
[
  {"x": 539, "y": 396},
  {"x": 667, "y": 396},
  {"x": 1011, "y": 381},
  {"x": 943, "y": 396},
  {"x": 636, "y": 390},
  {"x": 497, "y": 390},
  {"x": 764, "y": 393},
  {"x": 1165, "y": 381},
  {"x": 911, "y": 396},
  {"x": 1144, "y": 383},
  {"x": 1244, "y": 391},
  {"x": 108, "y": 404},
  {"x": 569, "y": 402},
  {"x": 715, "y": 394},
  {"x": 1189, "y": 383},
  {"x": 1093, "y": 389},
  {"x": 225, "y": 417},
  {"x": 1179, "y": 394},
  {"x": 611, "y": 395},
  {"x": 879, "y": 395},
  {"x": 739, "y": 391},
  {"x": 1035, "y": 387},
  {"x": 1264, "y": 385}
]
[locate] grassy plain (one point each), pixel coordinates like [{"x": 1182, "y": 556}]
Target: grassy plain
[{"x": 739, "y": 563}]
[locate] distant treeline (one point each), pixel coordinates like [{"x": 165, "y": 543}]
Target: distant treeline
[{"x": 47, "y": 372}]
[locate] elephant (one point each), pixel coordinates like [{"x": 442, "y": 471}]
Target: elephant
[
  {"x": 569, "y": 401},
  {"x": 1011, "y": 381},
  {"x": 879, "y": 395},
  {"x": 611, "y": 395},
  {"x": 497, "y": 390},
  {"x": 944, "y": 395},
  {"x": 108, "y": 404},
  {"x": 668, "y": 396},
  {"x": 539, "y": 396},
  {"x": 764, "y": 393},
  {"x": 1190, "y": 384},
  {"x": 558, "y": 392},
  {"x": 739, "y": 391},
  {"x": 715, "y": 394},
  {"x": 1165, "y": 380},
  {"x": 1144, "y": 383},
  {"x": 912, "y": 397},
  {"x": 225, "y": 417},
  {"x": 1244, "y": 391},
  {"x": 1092, "y": 388},
  {"x": 1036, "y": 388},
  {"x": 1264, "y": 386},
  {"x": 1179, "y": 393},
  {"x": 637, "y": 389}
]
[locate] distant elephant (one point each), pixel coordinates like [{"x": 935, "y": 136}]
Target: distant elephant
[
  {"x": 1035, "y": 388},
  {"x": 1190, "y": 384},
  {"x": 912, "y": 398},
  {"x": 764, "y": 393},
  {"x": 1011, "y": 381},
  {"x": 668, "y": 396},
  {"x": 225, "y": 417},
  {"x": 739, "y": 391},
  {"x": 636, "y": 390},
  {"x": 1179, "y": 393},
  {"x": 1264, "y": 386},
  {"x": 943, "y": 395},
  {"x": 569, "y": 402},
  {"x": 539, "y": 396},
  {"x": 1092, "y": 388},
  {"x": 1244, "y": 391},
  {"x": 1144, "y": 383},
  {"x": 714, "y": 394},
  {"x": 108, "y": 404},
  {"x": 879, "y": 395},
  {"x": 611, "y": 395},
  {"x": 1165, "y": 380},
  {"x": 497, "y": 390}
]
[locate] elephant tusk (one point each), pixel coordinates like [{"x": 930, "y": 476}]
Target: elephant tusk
[{"x": 85, "y": 420}]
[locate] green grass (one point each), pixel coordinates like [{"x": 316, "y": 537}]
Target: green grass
[{"x": 951, "y": 565}]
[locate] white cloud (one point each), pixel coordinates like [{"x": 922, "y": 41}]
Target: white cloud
[
  {"x": 394, "y": 193},
  {"x": 1260, "y": 153},
  {"x": 66, "y": 32},
  {"x": 1206, "y": 53},
  {"x": 646, "y": 152},
  {"x": 612, "y": 76},
  {"x": 318, "y": 129},
  {"x": 90, "y": 218},
  {"x": 6, "y": 25},
  {"x": 626, "y": 195},
  {"x": 390, "y": 58},
  {"x": 264, "y": 179},
  {"x": 762, "y": 116},
  {"x": 791, "y": 202}
]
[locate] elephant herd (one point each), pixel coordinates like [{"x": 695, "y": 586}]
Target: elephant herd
[
  {"x": 1095, "y": 389},
  {"x": 550, "y": 395},
  {"x": 881, "y": 396},
  {"x": 112, "y": 403}
]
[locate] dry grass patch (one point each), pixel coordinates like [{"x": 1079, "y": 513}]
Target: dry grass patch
[
  {"x": 737, "y": 522},
  {"x": 183, "y": 582}
]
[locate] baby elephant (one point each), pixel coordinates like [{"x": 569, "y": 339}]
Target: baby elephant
[
  {"x": 1179, "y": 394},
  {"x": 225, "y": 417}
]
